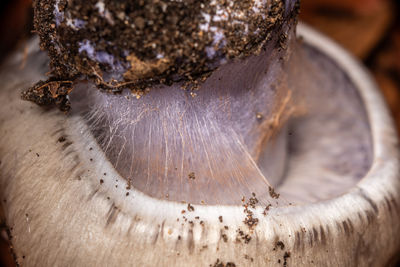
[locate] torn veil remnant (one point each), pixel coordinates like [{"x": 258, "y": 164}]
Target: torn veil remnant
[{"x": 139, "y": 44}]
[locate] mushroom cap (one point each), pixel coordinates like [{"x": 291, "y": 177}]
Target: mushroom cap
[
  {"x": 137, "y": 43},
  {"x": 358, "y": 228}
]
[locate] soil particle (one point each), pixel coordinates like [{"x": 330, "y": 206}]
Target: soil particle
[
  {"x": 243, "y": 236},
  {"x": 265, "y": 212},
  {"x": 219, "y": 263},
  {"x": 272, "y": 193},
  {"x": 191, "y": 176},
  {"x": 247, "y": 257},
  {"x": 285, "y": 257},
  {"x": 224, "y": 237},
  {"x": 250, "y": 220},
  {"x": 190, "y": 208},
  {"x": 281, "y": 245}
]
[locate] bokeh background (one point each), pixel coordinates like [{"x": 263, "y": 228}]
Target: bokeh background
[{"x": 369, "y": 29}]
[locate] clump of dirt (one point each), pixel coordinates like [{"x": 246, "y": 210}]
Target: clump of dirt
[
  {"x": 220, "y": 263},
  {"x": 139, "y": 44},
  {"x": 50, "y": 93}
]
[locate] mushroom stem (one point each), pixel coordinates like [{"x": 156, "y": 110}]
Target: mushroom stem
[{"x": 201, "y": 145}]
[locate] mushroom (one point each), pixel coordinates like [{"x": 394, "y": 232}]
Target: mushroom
[{"x": 283, "y": 156}]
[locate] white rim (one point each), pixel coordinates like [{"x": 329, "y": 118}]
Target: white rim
[{"x": 384, "y": 136}]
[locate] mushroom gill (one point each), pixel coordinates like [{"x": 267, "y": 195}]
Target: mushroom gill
[{"x": 292, "y": 161}]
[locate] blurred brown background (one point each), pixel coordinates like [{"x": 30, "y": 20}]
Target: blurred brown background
[{"x": 370, "y": 29}]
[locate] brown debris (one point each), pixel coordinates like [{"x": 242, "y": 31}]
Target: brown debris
[
  {"x": 144, "y": 69},
  {"x": 224, "y": 237},
  {"x": 190, "y": 207},
  {"x": 250, "y": 220},
  {"x": 267, "y": 209},
  {"x": 285, "y": 257},
  {"x": 219, "y": 263},
  {"x": 50, "y": 93},
  {"x": 243, "y": 236},
  {"x": 280, "y": 245},
  {"x": 247, "y": 257},
  {"x": 191, "y": 176},
  {"x": 272, "y": 193}
]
